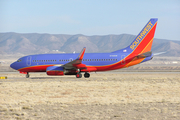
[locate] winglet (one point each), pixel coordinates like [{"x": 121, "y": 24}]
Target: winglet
[{"x": 81, "y": 55}]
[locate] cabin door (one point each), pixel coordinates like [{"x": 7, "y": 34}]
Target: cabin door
[
  {"x": 123, "y": 61},
  {"x": 29, "y": 61}
]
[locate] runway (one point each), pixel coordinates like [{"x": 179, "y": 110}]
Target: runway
[
  {"x": 107, "y": 96},
  {"x": 16, "y": 76}
]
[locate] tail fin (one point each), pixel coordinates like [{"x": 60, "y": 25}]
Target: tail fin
[{"x": 143, "y": 41}]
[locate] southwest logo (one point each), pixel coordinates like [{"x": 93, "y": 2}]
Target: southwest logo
[{"x": 141, "y": 35}]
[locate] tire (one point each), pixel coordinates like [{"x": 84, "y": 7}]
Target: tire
[
  {"x": 27, "y": 75},
  {"x": 78, "y": 75},
  {"x": 86, "y": 75}
]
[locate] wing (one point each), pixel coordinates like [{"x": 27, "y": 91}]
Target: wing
[{"x": 77, "y": 63}]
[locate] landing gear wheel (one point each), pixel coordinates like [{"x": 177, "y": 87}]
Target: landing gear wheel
[
  {"x": 78, "y": 75},
  {"x": 27, "y": 75},
  {"x": 86, "y": 75}
]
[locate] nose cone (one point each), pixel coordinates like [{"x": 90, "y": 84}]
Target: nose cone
[{"x": 13, "y": 65}]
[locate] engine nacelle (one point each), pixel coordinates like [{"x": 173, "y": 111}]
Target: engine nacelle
[{"x": 55, "y": 70}]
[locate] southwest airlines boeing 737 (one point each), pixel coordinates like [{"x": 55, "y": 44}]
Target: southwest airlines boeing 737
[{"x": 75, "y": 64}]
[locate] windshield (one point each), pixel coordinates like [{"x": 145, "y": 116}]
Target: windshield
[{"x": 19, "y": 60}]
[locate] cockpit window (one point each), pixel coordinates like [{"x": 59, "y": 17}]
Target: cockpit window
[{"x": 19, "y": 60}]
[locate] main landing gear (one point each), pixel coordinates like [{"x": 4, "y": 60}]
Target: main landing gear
[
  {"x": 27, "y": 75},
  {"x": 86, "y": 75},
  {"x": 79, "y": 75}
]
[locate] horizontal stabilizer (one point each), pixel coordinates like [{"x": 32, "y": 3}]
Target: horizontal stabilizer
[
  {"x": 159, "y": 53},
  {"x": 144, "y": 55}
]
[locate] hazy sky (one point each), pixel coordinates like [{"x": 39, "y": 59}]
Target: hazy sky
[{"x": 90, "y": 17}]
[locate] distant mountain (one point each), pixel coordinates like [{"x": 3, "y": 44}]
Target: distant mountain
[{"x": 33, "y": 43}]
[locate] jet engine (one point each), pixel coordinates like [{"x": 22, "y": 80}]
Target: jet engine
[{"x": 55, "y": 70}]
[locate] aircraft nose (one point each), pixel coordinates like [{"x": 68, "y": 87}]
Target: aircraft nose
[{"x": 13, "y": 65}]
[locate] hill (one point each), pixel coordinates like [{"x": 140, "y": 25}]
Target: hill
[{"x": 31, "y": 43}]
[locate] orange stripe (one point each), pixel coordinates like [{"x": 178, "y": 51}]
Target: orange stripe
[
  {"x": 148, "y": 47},
  {"x": 134, "y": 62},
  {"x": 139, "y": 60}
]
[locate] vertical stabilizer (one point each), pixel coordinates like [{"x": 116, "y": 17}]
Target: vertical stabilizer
[{"x": 143, "y": 41}]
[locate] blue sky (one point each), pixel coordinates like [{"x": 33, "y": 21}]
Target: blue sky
[{"x": 90, "y": 17}]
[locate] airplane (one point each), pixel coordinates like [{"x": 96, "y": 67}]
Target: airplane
[{"x": 137, "y": 52}]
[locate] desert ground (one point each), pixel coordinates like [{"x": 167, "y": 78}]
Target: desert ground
[
  {"x": 149, "y": 91},
  {"x": 103, "y": 96}
]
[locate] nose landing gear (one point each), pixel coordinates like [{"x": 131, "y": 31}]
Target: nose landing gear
[{"x": 27, "y": 75}]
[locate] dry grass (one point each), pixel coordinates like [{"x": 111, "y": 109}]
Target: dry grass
[{"x": 152, "y": 92}]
